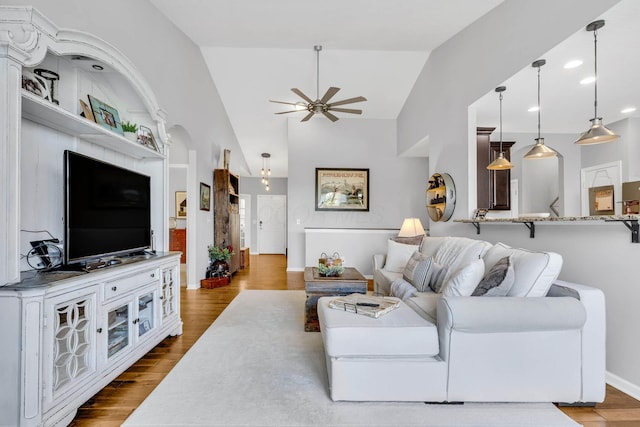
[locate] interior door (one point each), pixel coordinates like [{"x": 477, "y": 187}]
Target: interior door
[{"x": 272, "y": 221}]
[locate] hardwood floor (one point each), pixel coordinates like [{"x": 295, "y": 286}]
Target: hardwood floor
[{"x": 111, "y": 406}]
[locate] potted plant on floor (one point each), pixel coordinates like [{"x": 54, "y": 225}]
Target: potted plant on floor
[{"x": 218, "y": 270}]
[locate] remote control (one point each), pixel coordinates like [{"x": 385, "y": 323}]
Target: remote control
[{"x": 367, "y": 304}]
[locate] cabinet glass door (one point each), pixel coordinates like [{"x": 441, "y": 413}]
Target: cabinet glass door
[
  {"x": 169, "y": 289},
  {"x": 118, "y": 338},
  {"x": 146, "y": 310}
]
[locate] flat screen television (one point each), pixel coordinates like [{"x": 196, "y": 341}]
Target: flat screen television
[{"x": 107, "y": 209}]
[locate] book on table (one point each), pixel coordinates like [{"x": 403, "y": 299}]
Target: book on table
[{"x": 365, "y": 305}]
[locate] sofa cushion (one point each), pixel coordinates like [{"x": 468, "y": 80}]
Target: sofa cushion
[
  {"x": 397, "y": 255},
  {"x": 425, "y": 304},
  {"x": 534, "y": 271},
  {"x": 401, "y": 332},
  {"x": 402, "y": 289},
  {"x": 418, "y": 270},
  {"x": 456, "y": 252},
  {"x": 498, "y": 281},
  {"x": 464, "y": 281},
  {"x": 438, "y": 274}
]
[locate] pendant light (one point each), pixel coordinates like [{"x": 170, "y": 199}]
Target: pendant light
[
  {"x": 597, "y": 133},
  {"x": 539, "y": 151},
  {"x": 265, "y": 172},
  {"x": 500, "y": 163}
]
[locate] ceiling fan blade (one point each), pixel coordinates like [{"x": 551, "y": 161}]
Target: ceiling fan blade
[
  {"x": 346, "y": 110},
  {"x": 282, "y": 102},
  {"x": 329, "y": 94},
  {"x": 301, "y": 95},
  {"x": 348, "y": 101},
  {"x": 330, "y": 116},
  {"x": 286, "y": 112},
  {"x": 307, "y": 117}
]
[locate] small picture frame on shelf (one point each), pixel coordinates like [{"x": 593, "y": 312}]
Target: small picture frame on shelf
[
  {"x": 86, "y": 110},
  {"x": 205, "y": 197},
  {"x": 105, "y": 115},
  {"x": 145, "y": 137},
  {"x": 481, "y": 213}
]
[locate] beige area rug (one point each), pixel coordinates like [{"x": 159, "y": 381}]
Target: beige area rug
[{"x": 255, "y": 366}]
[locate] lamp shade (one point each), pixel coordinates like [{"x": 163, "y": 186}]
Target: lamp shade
[
  {"x": 500, "y": 163},
  {"x": 540, "y": 151},
  {"x": 411, "y": 227},
  {"x": 597, "y": 134}
]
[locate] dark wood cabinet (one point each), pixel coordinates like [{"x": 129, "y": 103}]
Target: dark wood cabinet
[
  {"x": 226, "y": 212},
  {"x": 494, "y": 187},
  {"x": 178, "y": 242}
]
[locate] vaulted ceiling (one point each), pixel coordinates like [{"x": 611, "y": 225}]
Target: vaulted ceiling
[{"x": 258, "y": 50}]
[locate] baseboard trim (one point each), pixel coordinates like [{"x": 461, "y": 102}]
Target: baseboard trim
[
  {"x": 623, "y": 385},
  {"x": 295, "y": 269}
]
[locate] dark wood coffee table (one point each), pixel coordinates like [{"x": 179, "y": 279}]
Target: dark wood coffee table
[{"x": 317, "y": 286}]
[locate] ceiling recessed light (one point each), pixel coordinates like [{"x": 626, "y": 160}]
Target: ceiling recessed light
[
  {"x": 628, "y": 110},
  {"x": 573, "y": 64},
  {"x": 587, "y": 80},
  {"x": 533, "y": 109}
]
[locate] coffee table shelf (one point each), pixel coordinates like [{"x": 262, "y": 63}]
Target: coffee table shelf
[{"x": 317, "y": 286}]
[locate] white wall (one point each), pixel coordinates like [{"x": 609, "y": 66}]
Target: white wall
[
  {"x": 397, "y": 184},
  {"x": 457, "y": 73}
]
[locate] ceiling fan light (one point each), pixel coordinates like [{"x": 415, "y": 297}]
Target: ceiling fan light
[
  {"x": 500, "y": 163},
  {"x": 540, "y": 151},
  {"x": 597, "y": 134}
]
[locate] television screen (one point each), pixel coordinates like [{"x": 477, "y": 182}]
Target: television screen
[{"x": 108, "y": 209}]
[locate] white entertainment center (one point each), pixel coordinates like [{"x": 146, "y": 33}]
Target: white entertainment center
[{"x": 66, "y": 334}]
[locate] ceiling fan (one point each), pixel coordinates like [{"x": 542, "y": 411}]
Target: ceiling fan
[{"x": 321, "y": 105}]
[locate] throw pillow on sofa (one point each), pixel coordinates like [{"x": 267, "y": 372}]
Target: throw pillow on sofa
[
  {"x": 534, "y": 271},
  {"x": 437, "y": 277},
  {"x": 498, "y": 281},
  {"x": 465, "y": 280},
  {"x": 398, "y": 255},
  {"x": 418, "y": 271}
]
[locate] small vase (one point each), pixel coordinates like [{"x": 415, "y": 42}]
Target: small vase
[{"x": 131, "y": 136}]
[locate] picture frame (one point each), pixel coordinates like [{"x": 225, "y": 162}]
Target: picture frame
[
  {"x": 146, "y": 138},
  {"x": 205, "y": 197},
  {"x": 342, "y": 189},
  {"x": 479, "y": 213},
  {"x": 601, "y": 200},
  {"x": 86, "y": 110},
  {"x": 181, "y": 204},
  {"x": 105, "y": 115}
]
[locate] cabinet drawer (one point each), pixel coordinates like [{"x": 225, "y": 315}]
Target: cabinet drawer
[{"x": 117, "y": 287}]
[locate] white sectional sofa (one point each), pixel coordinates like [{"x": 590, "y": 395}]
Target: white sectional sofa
[{"x": 544, "y": 341}]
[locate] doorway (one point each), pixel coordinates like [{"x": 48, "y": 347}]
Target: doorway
[
  {"x": 245, "y": 220},
  {"x": 272, "y": 224}
]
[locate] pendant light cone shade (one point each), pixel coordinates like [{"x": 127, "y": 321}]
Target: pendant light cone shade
[
  {"x": 539, "y": 151},
  {"x": 501, "y": 162},
  {"x": 597, "y": 133}
]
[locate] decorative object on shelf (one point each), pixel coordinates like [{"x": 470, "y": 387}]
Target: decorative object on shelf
[
  {"x": 173, "y": 223},
  {"x": 597, "y": 133},
  {"x": 601, "y": 200},
  {"x": 145, "y": 137},
  {"x": 51, "y": 77},
  {"x": 226, "y": 156},
  {"x": 441, "y": 197},
  {"x": 205, "y": 197},
  {"x": 479, "y": 213},
  {"x": 539, "y": 150},
  {"x": 181, "y": 204},
  {"x": 34, "y": 84},
  {"x": 342, "y": 189},
  {"x": 321, "y": 105},
  {"x": 501, "y": 162},
  {"x": 265, "y": 172},
  {"x": 130, "y": 131},
  {"x": 106, "y": 115},
  {"x": 330, "y": 266},
  {"x": 86, "y": 111}
]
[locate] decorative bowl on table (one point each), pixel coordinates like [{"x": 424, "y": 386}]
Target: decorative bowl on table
[{"x": 330, "y": 270}]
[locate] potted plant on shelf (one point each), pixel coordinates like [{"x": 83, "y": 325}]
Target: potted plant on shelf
[{"x": 130, "y": 131}]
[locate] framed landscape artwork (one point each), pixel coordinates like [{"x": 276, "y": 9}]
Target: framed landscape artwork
[
  {"x": 181, "y": 204},
  {"x": 342, "y": 189},
  {"x": 205, "y": 196}
]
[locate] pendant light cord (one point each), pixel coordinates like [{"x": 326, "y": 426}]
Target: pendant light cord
[
  {"x": 595, "y": 74},
  {"x": 538, "y": 102},
  {"x": 501, "y": 122},
  {"x": 318, "y": 72}
]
